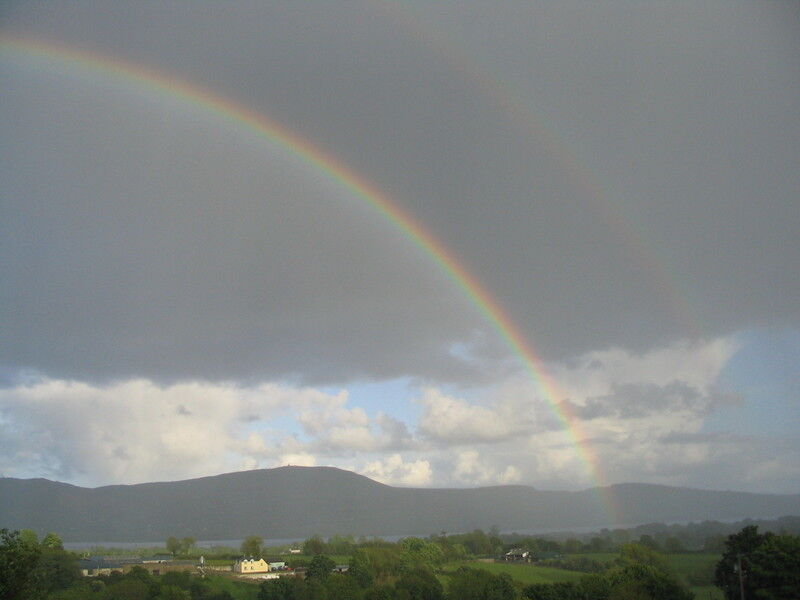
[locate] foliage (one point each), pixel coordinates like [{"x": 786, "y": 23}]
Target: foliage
[
  {"x": 320, "y": 567},
  {"x": 52, "y": 541},
  {"x": 173, "y": 545},
  {"x": 314, "y": 545},
  {"x": 360, "y": 569},
  {"x": 647, "y": 582},
  {"x": 384, "y": 561},
  {"x": 416, "y": 552},
  {"x": 524, "y": 573},
  {"x": 636, "y": 553},
  {"x": 419, "y": 583},
  {"x": 776, "y": 567},
  {"x": 477, "y": 584},
  {"x": 738, "y": 548},
  {"x": 342, "y": 587},
  {"x": 764, "y": 565},
  {"x": 476, "y": 543},
  {"x": 584, "y": 564},
  {"x": 251, "y": 546},
  {"x": 18, "y": 558}
]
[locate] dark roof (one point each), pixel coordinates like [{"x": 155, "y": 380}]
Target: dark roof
[{"x": 103, "y": 562}]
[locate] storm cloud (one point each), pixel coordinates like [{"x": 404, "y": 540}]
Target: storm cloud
[{"x": 620, "y": 178}]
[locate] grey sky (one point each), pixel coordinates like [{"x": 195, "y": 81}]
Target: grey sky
[{"x": 617, "y": 175}]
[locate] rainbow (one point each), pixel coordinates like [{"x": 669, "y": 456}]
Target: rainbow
[
  {"x": 243, "y": 117},
  {"x": 519, "y": 108}
]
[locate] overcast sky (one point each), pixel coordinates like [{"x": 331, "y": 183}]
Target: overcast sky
[{"x": 181, "y": 296}]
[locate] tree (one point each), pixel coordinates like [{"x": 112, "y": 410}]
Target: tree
[
  {"x": 187, "y": 544},
  {"x": 774, "y": 568},
  {"x": 53, "y": 541},
  {"x": 19, "y": 559},
  {"x": 477, "y": 584},
  {"x": 733, "y": 570},
  {"x": 172, "y": 592},
  {"x": 313, "y": 546},
  {"x": 320, "y": 567},
  {"x": 359, "y": 569},
  {"x": 635, "y": 553},
  {"x": 127, "y": 589},
  {"x": 673, "y": 545},
  {"x": 647, "y": 582},
  {"x": 341, "y": 587},
  {"x": 419, "y": 584},
  {"x": 648, "y": 541},
  {"x": 57, "y": 569},
  {"x": 173, "y": 545},
  {"x": 416, "y": 552},
  {"x": 251, "y": 546}
]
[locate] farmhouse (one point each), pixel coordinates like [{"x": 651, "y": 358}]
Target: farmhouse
[
  {"x": 518, "y": 555},
  {"x": 250, "y": 565}
]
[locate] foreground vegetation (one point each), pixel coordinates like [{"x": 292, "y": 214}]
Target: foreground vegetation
[{"x": 443, "y": 567}]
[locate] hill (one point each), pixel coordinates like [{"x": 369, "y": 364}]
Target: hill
[{"x": 295, "y": 502}]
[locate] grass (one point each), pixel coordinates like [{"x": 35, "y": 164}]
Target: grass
[
  {"x": 240, "y": 590},
  {"x": 525, "y": 574},
  {"x": 603, "y": 557},
  {"x": 707, "y": 592}
]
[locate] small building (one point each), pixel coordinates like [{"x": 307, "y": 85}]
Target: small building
[
  {"x": 341, "y": 568},
  {"x": 250, "y": 565},
  {"x": 277, "y": 566},
  {"x": 105, "y": 565},
  {"x": 295, "y": 551},
  {"x": 158, "y": 558},
  {"x": 518, "y": 555}
]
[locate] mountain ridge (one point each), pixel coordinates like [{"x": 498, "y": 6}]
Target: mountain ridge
[{"x": 295, "y": 502}]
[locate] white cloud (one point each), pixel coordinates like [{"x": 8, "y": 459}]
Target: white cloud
[
  {"x": 136, "y": 431},
  {"x": 393, "y": 470},
  {"x": 302, "y": 459},
  {"x": 471, "y": 469},
  {"x": 455, "y": 421},
  {"x": 642, "y": 418}
]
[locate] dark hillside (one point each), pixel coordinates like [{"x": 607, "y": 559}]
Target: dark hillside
[{"x": 300, "y": 501}]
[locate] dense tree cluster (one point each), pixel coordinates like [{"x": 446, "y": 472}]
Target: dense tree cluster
[
  {"x": 706, "y": 536},
  {"x": 753, "y": 565},
  {"x": 180, "y": 546},
  {"x": 758, "y": 565},
  {"x": 30, "y": 570}
]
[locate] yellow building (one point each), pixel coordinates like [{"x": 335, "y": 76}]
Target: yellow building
[{"x": 250, "y": 565}]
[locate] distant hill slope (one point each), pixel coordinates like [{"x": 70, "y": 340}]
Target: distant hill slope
[{"x": 299, "y": 501}]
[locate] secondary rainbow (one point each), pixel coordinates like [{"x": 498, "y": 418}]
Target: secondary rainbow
[{"x": 256, "y": 122}]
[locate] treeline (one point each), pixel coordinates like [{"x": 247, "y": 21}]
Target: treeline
[
  {"x": 453, "y": 546},
  {"x": 706, "y": 536},
  {"x": 410, "y": 570}
]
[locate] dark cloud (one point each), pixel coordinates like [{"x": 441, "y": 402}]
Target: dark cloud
[
  {"x": 140, "y": 238},
  {"x": 640, "y": 400}
]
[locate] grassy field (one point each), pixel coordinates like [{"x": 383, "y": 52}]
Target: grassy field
[
  {"x": 598, "y": 556},
  {"x": 707, "y": 592},
  {"x": 525, "y": 574},
  {"x": 689, "y": 563},
  {"x": 697, "y": 570},
  {"x": 238, "y": 589}
]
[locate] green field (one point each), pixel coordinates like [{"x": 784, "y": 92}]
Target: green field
[
  {"x": 523, "y": 573},
  {"x": 707, "y": 592},
  {"x": 238, "y": 589},
  {"x": 696, "y": 570}
]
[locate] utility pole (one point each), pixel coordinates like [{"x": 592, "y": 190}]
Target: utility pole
[{"x": 741, "y": 580}]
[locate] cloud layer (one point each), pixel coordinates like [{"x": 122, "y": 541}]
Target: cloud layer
[
  {"x": 648, "y": 430},
  {"x": 152, "y": 239}
]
